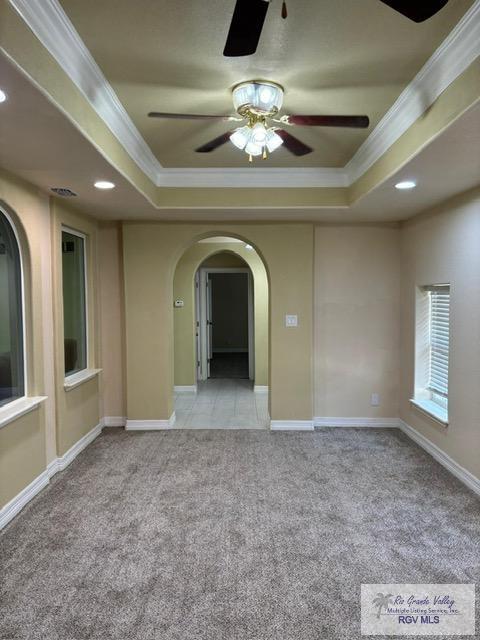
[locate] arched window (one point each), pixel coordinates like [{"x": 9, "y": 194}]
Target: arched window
[{"x": 12, "y": 369}]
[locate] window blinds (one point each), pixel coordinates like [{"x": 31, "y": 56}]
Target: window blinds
[{"x": 439, "y": 338}]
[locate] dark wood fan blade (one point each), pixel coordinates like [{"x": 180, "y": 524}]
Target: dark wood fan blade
[
  {"x": 215, "y": 143},
  {"x": 357, "y": 122},
  {"x": 416, "y": 10},
  {"x": 186, "y": 116},
  {"x": 246, "y": 27},
  {"x": 293, "y": 144}
]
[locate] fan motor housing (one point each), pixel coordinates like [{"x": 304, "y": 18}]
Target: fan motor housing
[{"x": 257, "y": 97}]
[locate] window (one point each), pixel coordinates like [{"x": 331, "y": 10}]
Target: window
[
  {"x": 12, "y": 365},
  {"x": 439, "y": 306},
  {"x": 74, "y": 301},
  {"x": 432, "y": 350}
]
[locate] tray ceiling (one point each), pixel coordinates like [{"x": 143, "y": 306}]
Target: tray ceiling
[{"x": 347, "y": 56}]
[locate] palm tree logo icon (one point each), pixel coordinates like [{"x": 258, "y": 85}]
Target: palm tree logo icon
[{"x": 382, "y": 602}]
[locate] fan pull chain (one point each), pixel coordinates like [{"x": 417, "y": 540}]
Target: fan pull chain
[{"x": 284, "y": 10}]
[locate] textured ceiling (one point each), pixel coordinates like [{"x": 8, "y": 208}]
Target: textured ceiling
[{"x": 332, "y": 56}]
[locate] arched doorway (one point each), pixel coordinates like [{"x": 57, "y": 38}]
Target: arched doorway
[
  {"x": 151, "y": 253},
  {"x": 221, "y": 335}
]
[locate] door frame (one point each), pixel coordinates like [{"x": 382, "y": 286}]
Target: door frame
[{"x": 201, "y": 316}]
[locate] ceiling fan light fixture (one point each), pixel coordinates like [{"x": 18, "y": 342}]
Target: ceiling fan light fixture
[
  {"x": 253, "y": 149},
  {"x": 261, "y": 98},
  {"x": 259, "y": 134},
  {"x": 240, "y": 137},
  {"x": 273, "y": 140}
]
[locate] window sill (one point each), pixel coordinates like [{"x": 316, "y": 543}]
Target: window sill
[
  {"x": 432, "y": 410},
  {"x": 76, "y": 379},
  {"x": 18, "y": 408}
]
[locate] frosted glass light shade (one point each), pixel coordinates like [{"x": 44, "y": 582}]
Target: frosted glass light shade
[
  {"x": 240, "y": 137},
  {"x": 259, "y": 134},
  {"x": 259, "y": 97},
  {"x": 253, "y": 149},
  {"x": 273, "y": 140}
]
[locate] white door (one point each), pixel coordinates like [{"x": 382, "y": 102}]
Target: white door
[
  {"x": 251, "y": 329},
  {"x": 209, "y": 325},
  {"x": 198, "y": 348}
]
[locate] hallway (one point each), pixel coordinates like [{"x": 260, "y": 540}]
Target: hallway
[
  {"x": 229, "y": 365},
  {"x": 222, "y": 404}
]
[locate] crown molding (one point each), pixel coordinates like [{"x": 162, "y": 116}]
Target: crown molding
[
  {"x": 253, "y": 177},
  {"x": 51, "y": 25},
  {"x": 453, "y": 56},
  {"x": 53, "y": 28}
]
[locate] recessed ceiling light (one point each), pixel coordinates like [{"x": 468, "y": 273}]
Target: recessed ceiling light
[
  {"x": 104, "y": 184},
  {"x": 406, "y": 184},
  {"x": 3, "y": 96}
]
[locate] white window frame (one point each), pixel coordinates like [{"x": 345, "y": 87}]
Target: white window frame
[
  {"x": 74, "y": 379},
  {"x": 424, "y": 397},
  {"x": 14, "y": 409}
]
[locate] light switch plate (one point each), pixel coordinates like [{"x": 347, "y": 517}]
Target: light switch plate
[
  {"x": 375, "y": 400},
  {"x": 291, "y": 321}
]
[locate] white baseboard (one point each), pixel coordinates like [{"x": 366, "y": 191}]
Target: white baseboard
[
  {"x": 390, "y": 423},
  {"x": 61, "y": 463},
  {"x": 291, "y": 425},
  {"x": 150, "y": 425},
  {"x": 440, "y": 456},
  {"x": 185, "y": 388},
  {"x": 260, "y": 388},
  {"x": 114, "y": 421},
  {"x": 10, "y": 510}
]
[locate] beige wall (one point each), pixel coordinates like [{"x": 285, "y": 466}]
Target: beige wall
[
  {"x": 30, "y": 442},
  {"x": 110, "y": 263},
  {"x": 443, "y": 246},
  {"x": 78, "y": 410},
  {"x": 287, "y": 251},
  {"x": 357, "y": 327},
  {"x": 207, "y": 254},
  {"x": 27, "y": 444}
]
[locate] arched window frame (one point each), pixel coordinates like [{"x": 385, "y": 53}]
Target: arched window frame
[{"x": 10, "y": 404}]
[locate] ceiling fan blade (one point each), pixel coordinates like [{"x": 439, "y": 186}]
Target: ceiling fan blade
[
  {"x": 246, "y": 27},
  {"x": 188, "y": 116},
  {"x": 416, "y": 10},
  {"x": 356, "y": 122},
  {"x": 293, "y": 144},
  {"x": 215, "y": 143}
]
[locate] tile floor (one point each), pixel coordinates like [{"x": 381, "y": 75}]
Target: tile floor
[{"x": 222, "y": 404}]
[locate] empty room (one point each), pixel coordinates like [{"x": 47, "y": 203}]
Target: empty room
[{"x": 239, "y": 319}]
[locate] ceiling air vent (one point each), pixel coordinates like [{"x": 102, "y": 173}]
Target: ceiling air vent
[{"x": 64, "y": 192}]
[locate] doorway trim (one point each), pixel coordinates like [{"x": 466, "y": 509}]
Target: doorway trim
[{"x": 201, "y": 317}]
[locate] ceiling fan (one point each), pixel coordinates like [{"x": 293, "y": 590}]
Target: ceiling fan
[
  {"x": 256, "y": 102},
  {"x": 249, "y": 16}
]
